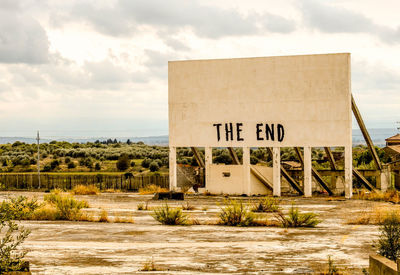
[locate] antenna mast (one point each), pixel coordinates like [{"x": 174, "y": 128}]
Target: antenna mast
[{"x": 38, "y": 157}]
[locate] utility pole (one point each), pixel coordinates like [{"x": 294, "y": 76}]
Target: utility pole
[{"x": 38, "y": 157}]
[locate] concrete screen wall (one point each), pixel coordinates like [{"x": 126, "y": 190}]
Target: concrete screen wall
[
  {"x": 267, "y": 101},
  {"x": 287, "y": 101}
]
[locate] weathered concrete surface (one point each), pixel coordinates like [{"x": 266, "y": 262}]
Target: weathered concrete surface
[
  {"x": 379, "y": 265},
  {"x": 111, "y": 248}
]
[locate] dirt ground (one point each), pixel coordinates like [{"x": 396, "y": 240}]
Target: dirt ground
[{"x": 64, "y": 247}]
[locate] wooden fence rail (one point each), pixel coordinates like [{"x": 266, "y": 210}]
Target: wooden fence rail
[{"x": 27, "y": 181}]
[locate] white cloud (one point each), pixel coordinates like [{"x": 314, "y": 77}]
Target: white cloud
[
  {"x": 334, "y": 19},
  {"x": 22, "y": 38},
  {"x": 84, "y": 64}
]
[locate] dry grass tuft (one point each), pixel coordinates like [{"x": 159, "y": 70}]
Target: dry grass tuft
[
  {"x": 267, "y": 204},
  {"x": 389, "y": 196},
  {"x": 47, "y": 212},
  {"x": 85, "y": 190},
  {"x": 118, "y": 219},
  {"x": 143, "y": 206},
  {"x": 375, "y": 216},
  {"x": 194, "y": 221},
  {"x": 84, "y": 217},
  {"x": 103, "y": 216},
  {"x": 111, "y": 191},
  {"x": 188, "y": 207},
  {"x": 266, "y": 222},
  {"x": 151, "y": 189},
  {"x": 149, "y": 266}
]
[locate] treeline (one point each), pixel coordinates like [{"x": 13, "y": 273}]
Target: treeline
[
  {"x": 112, "y": 155},
  {"x": 90, "y": 155}
]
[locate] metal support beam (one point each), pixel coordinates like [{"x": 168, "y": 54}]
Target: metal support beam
[
  {"x": 235, "y": 158},
  {"x": 292, "y": 181},
  {"x": 315, "y": 173},
  {"x": 300, "y": 156},
  {"x": 330, "y": 158},
  {"x": 363, "y": 180},
  {"x": 321, "y": 181},
  {"x": 197, "y": 156},
  {"x": 364, "y": 131}
]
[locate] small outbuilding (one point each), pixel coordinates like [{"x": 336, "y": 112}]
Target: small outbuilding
[
  {"x": 393, "y": 147},
  {"x": 393, "y": 150}
]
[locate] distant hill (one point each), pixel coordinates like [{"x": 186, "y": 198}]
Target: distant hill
[
  {"x": 153, "y": 140},
  {"x": 378, "y": 136}
]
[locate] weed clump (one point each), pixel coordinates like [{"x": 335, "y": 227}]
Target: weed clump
[
  {"x": 67, "y": 207},
  {"x": 143, "y": 206},
  {"x": 389, "y": 242},
  {"x": 85, "y": 190},
  {"x": 267, "y": 204},
  {"x": 151, "y": 189},
  {"x": 236, "y": 214},
  {"x": 297, "y": 219},
  {"x": 187, "y": 206},
  {"x": 332, "y": 269},
  {"x": 169, "y": 216},
  {"x": 149, "y": 266}
]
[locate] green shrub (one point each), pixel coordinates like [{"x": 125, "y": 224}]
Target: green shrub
[
  {"x": 389, "y": 242},
  {"x": 146, "y": 163},
  {"x": 123, "y": 162},
  {"x": 12, "y": 236},
  {"x": 46, "y": 168},
  {"x": 297, "y": 219},
  {"x": 236, "y": 214},
  {"x": 267, "y": 204},
  {"x": 169, "y": 216},
  {"x": 97, "y": 166},
  {"x": 154, "y": 166},
  {"x": 54, "y": 164},
  {"x": 71, "y": 165},
  {"x": 18, "y": 208}
]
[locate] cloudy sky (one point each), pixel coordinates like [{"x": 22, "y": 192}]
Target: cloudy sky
[{"x": 99, "y": 68}]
